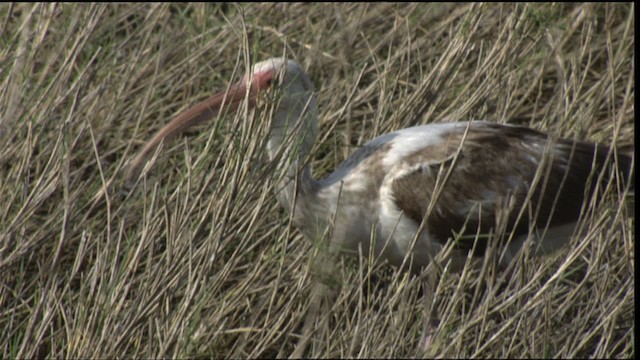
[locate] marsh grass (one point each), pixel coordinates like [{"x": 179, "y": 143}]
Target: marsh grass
[{"x": 199, "y": 261}]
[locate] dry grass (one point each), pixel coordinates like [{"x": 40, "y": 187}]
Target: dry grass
[{"x": 199, "y": 261}]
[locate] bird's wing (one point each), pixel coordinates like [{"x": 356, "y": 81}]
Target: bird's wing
[{"x": 477, "y": 180}]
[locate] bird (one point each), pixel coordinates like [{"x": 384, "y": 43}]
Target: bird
[
  {"x": 411, "y": 195},
  {"x": 405, "y": 195}
]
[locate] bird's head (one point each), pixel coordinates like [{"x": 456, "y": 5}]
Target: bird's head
[
  {"x": 285, "y": 77},
  {"x": 285, "y": 85},
  {"x": 273, "y": 79}
]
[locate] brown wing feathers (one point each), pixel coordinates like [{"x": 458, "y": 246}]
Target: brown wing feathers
[{"x": 498, "y": 164}]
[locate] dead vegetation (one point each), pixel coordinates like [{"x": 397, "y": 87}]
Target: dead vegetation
[{"x": 199, "y": 261}]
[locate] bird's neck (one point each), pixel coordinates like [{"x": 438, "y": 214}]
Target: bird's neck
[{"x": 289, "y": 146}]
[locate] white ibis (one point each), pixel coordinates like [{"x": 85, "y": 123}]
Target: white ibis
[{"x": 405, "y": 194}]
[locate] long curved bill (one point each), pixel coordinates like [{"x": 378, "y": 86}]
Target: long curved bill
[{"x": 202, "y": 111}]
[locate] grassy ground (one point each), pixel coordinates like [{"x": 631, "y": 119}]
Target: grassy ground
[{"x": 199, "y": 261}]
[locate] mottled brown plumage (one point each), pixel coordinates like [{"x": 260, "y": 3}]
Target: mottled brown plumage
[{"x": 492, "y": 169}]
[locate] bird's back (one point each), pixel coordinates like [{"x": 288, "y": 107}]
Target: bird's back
[{"x": 466, "y": 178}]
